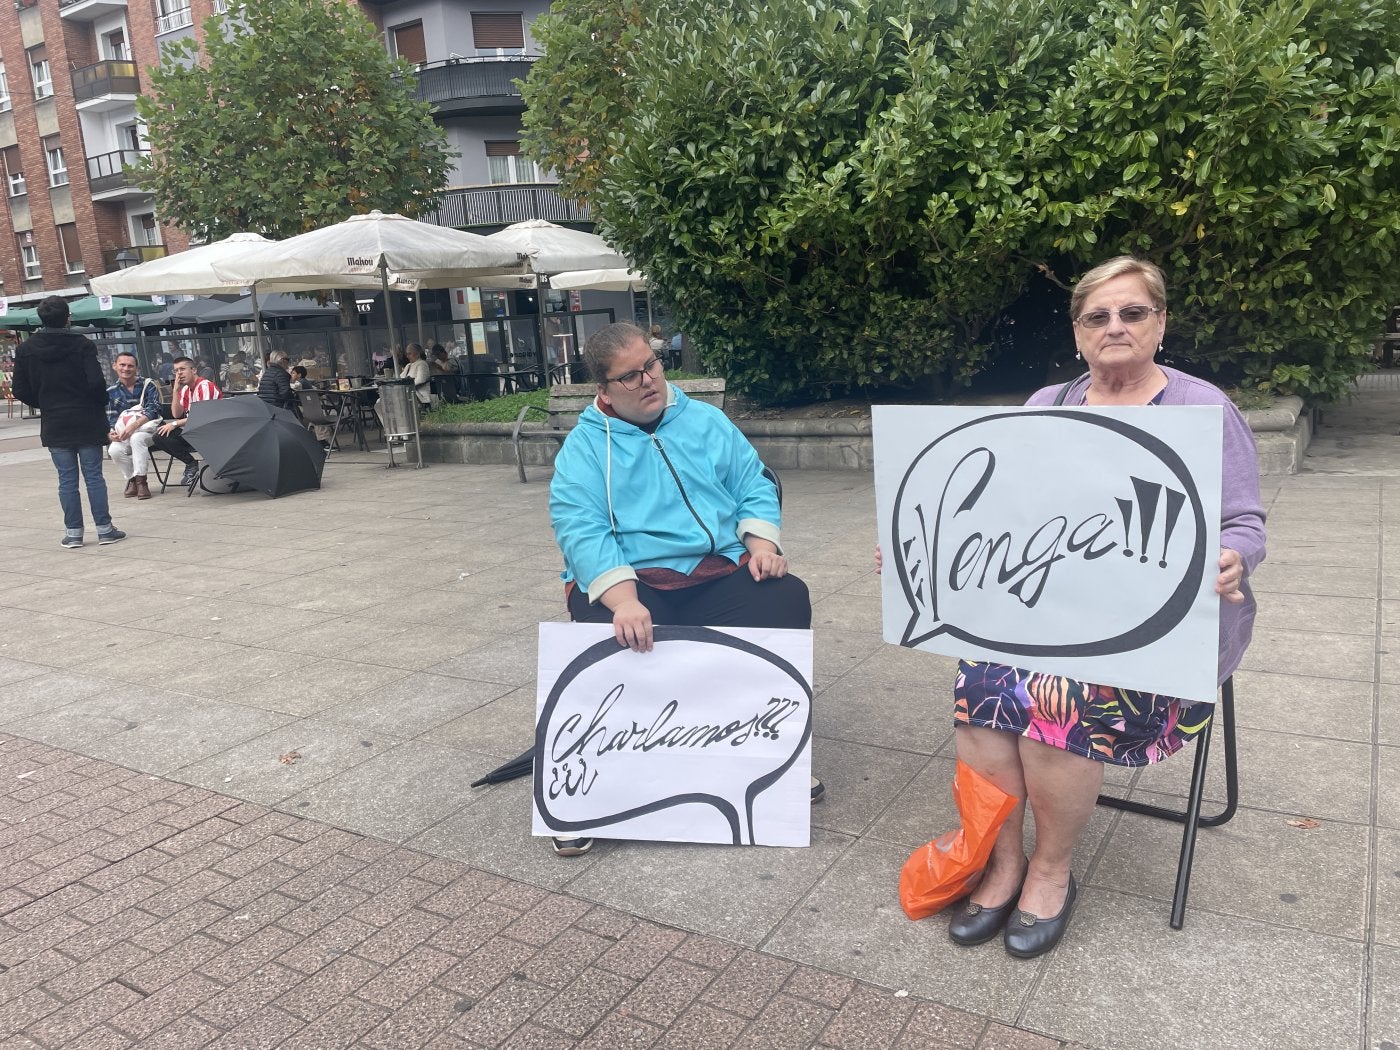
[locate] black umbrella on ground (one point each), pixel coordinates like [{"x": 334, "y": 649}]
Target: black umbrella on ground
[
  {"x": 521, "y": 766},
  {"x": 244, "y": 439}
]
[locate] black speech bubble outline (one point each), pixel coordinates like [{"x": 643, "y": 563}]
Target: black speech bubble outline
[
  {"x": 1156, "y": 626},
  {"x": 600, "y": 651}
]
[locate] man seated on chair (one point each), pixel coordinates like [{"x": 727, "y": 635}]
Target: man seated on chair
[
  {"x": 275, "y": 386},
  {"x": 133, "y": 413},
  {"x": 189, "y": 388},
  {"x": 663, "y": 514}
]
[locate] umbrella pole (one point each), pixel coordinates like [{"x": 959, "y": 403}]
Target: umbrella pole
[
  {"x": 418, "y": 301},
  {"x": 649, "y": 320},
  {"x": 389, "y": 312},
  {"x": 257, "y": 326}
]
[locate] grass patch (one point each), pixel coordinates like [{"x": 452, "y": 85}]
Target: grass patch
[{"x": 1247, "y": 398}]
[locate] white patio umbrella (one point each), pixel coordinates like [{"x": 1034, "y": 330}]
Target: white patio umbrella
[
  {"x": 552, "y": 249},
  {"x": 376, "y": 244},
  {"x": 609, "y": 280}
]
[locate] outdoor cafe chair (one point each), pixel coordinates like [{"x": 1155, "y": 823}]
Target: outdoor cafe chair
[
  {"x": 1191, "y": 817},
  {"x": 313, "y": 411}
]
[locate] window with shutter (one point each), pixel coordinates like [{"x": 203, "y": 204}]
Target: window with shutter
[
  {"x": 498, "y": 31},
  {"x": 409, "y": 44}
]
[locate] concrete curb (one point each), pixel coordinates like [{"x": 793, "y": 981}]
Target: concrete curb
[{"x": 1282, "y": 433}]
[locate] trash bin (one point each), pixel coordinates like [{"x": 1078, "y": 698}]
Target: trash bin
[{"x": 398, "y": 409}]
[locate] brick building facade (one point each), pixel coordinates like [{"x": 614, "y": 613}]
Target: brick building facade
[{"x": 70, "y": 72}]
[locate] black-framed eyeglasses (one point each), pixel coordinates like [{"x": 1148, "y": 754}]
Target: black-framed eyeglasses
[
  {"x": 1127, "y": 314},
  {"x": 633, "y": 379}
]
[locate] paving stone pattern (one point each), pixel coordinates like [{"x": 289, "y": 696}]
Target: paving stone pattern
[{"x": 139, "y": 912}]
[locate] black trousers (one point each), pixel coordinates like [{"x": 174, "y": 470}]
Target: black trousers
[
  {"x": 730, "y": 601},
  {"x": 176, "y": 445}
]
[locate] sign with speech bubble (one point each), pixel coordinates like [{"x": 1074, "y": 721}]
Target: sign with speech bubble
[
  {"x": 707, "y": 738},
  {"x": 1073, "y": 541}
]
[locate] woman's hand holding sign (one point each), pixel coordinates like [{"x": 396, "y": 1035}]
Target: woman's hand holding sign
[
  {"x": 631, "y": 619},
  {"x": 1227, "y": 584},
  {"x": 765, "y": 563}
]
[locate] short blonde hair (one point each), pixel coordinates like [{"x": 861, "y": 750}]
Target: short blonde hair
[{"x": 1122, "y": 265}]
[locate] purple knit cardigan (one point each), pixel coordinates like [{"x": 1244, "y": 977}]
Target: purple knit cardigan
[{"x": 1241, "y": 510}]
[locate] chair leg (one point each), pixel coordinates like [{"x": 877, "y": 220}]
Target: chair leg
[{"x": 1191, "y": 816}]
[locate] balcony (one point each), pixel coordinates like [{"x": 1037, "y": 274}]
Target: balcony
[
  {"x": 178, "y": 19},
  {"x": 503, "y": 205},
  {"x": 480, "y": 86},
  {"x": 110, "y": 177},
  {"x": 106, "y": 85},
  {"x": 89, "y": 10},
  {"x": 136, "y": 253}
]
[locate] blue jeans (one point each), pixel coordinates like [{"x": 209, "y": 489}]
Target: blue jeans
[{"x": 67, "y": 461}]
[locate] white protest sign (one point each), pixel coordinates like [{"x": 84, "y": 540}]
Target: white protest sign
[
  {"x": 1073, "y": 541},
  {"x": 707, "y": 738}
]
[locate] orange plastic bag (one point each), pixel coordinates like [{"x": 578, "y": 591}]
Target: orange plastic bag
[{"x": 941, "y": 871}]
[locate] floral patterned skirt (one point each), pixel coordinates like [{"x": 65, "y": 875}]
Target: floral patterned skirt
[{"x": 1123, "y": 727}]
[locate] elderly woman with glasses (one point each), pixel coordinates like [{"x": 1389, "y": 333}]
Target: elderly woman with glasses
[
  {"x": 1045, "y": 738},
  {"x": 663, "y": 513}
]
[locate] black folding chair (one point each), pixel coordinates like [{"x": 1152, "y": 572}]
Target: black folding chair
[{"x": 1191, "y": 816}]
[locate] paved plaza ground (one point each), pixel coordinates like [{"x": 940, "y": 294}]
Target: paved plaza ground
[{"x": 235, "y": 752}]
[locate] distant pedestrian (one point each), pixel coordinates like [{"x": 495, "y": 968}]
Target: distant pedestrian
[
  {"x": 275, "y": 386},
  {"x": 56, "y": 371}
]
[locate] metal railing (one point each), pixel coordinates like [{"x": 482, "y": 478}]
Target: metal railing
[
  {"x": 503, "y": 205},
  {"x": 109, "y": 171},
  {"x": 470, "y": 78},
  {"x": 111, "y": 77},
  {"x": 174, "y": 20}
]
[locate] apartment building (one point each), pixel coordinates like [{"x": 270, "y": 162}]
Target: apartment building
[
  {"x": 70, "y": 73},
  {"x": 468, "y": 53}
]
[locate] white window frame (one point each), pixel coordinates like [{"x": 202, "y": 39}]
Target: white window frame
[
  {"x": 43, "y": 78},
  {"x": 172, "y": 15},
  {"x": 519, "y": 167},
  {"x": 14, "y": 182},
  {"x": 4, "y": 89},
  {"x": 58, "y": 168},
  {"x": 29, "y": 259}
]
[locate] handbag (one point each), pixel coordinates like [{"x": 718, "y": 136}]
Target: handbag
[{"x": 138, "y": 409}]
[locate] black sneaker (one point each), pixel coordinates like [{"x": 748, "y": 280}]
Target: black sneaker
[
  {"x": 818, "y": 791},
  {"x": 572, "y": 847},
  {"x": 71, "y": 542},
  {"x": 111, "y": 536},
  {"x": 190, "y": 476}
]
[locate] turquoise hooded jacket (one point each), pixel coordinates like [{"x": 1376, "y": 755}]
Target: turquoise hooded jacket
[{"x": 623, "y": 499}]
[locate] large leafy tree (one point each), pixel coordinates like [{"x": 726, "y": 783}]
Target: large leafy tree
[
  {"x": 293, "y": 119},
  {"x": 845, "y": 193}
]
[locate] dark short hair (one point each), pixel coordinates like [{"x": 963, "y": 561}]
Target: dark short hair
[
  {"x": 125, "y": 353},
  {"x": 299, "y": 370},
  {"x": 53, "y": 312},
  {"x": 605, "y": 344},
  {"x": 182, "y": 357}
]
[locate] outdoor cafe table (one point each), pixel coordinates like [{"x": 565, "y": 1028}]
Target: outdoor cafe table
[{"x": 350, "y": 405}]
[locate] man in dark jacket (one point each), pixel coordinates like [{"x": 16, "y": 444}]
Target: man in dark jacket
[
  {"x": 275, "y": 386},
  {"x": 57, "y": 372}
]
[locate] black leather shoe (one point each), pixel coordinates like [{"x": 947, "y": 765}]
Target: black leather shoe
[
  {"x": 977, "y": 923},
  {"x": 1028, "y": 936}
]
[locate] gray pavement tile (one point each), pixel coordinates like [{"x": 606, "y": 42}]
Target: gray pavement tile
[
  {"x": 847, "y": 612},
  {"x": 1304, "y": 705},
  {"x": 313, "y": 684},
  {"x": 1282, "y": 773},
  {"x": 345, "y": 637},
  {"x": 43, "y": 691},
  {"x": 120, "y": 708},
  {"x": 395, "y": 794},
  {"x": 511, "y": 659},
  {"x": 493, "y": 833},
  {"x": 1299, "y": 612},
  {"x": 882, "y": 713},
  {"x": 255, "y": 769},
  {"x": 1387, "y": 911},
  {"x": 227, "y": 674},
  {"x": 77, "y": 599},
  {"x": 1388, "y": 716},
  {"x": 413, "y": 705},
  {"x": 1315, "y": 879},
  {"x": 1325, "y": 654},
  {"x": 182, "y": 730},
  {"x": 1388, "y": 787},
  {"x": 739, "y": 893},
  {"x": 503, "y": 728},
  {"x": 351, "y": 593},
  {"x": 141, "y": 656},
  {"x": 1279, "y": 576},
  {"x": 851, "y": 923},
  {"x": 1314, "y": 547},
  {"x": 1383, "y": 1010},
  {"x": 835, "y": 652},
  {"x": 860, "y": 782},
  {"x": 1286, "y": 989}
]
